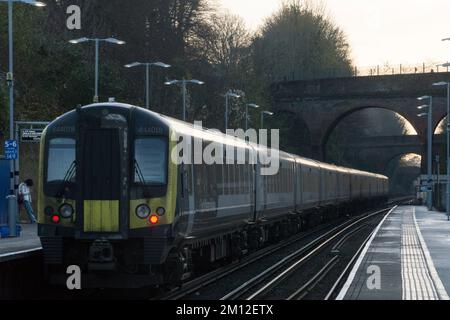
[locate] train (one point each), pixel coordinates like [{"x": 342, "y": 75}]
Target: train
[{"x": 113, "y": 202}]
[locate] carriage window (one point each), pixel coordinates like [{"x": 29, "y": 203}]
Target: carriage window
[
  {"x": 151, "y": 160},
  {"x": 61, "y": 159}
]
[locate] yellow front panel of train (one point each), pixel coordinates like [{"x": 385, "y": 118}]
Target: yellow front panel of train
[{"x": 101, "y": 216}]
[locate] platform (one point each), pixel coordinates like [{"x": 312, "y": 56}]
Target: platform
[
  {"x": 28, "y": 242},
  {"x": 406, "y": 258}
]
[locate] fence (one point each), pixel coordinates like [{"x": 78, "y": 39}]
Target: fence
[
  {"x": 379, "y": 70},
  {"x": 387, "y": 69}
]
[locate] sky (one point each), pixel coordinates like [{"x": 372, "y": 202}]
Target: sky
[{"x": 407, "y": 32}]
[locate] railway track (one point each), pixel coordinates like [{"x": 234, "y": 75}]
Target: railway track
[
  {"x": 257, "y": 286},
  {"x": 265, "y": 282},
  {"x": 205, "y": 280},
  {"x": 337, "y": 284},
  {"x": 333, "y": 261}
]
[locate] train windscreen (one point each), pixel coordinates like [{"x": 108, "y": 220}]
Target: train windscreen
[
  {"x": 61, "y": 156},
  {"x": 150, "y": 161}
]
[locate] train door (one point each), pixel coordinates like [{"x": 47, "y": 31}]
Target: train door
[
  {"x": 101, "y": 180},
  {"x": 350, "y": 186},
  {"x": 251, "y": 180},
  {"x": 261, "y": 187},
  {"x": 319, "y": 185},
  {"x": 334, "y": 189},
  {"x": 295, "y": 180},
  {"x": 299, "y": 182},
  {"x": 190, "y": 212},
  {"x": 184, "y": 195},
  {"x": 339, "y": 189},
  {"x": 260, "y": 182},
  {"x": 187, "y": 198},
  {"x": 102, "y": 165}
]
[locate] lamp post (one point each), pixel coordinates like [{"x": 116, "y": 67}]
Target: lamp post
[
  {"x": 97, "y": 45},
  {"x": 228, "y": 95},
  {"x": 12, "y": 204},
  {"x": 251, "y": 105},
  {"x": 438, "y": 168},
  {"x": 10, "y": 74},
  {"x": 430, "y": 145},
  {"x": 183, "y": 83},
  {"x": 446, "y": 65},
  {"x": 148, "y": 66},
  {"x": 263, "y": 113},
  {"x": 447, "y": 84}
]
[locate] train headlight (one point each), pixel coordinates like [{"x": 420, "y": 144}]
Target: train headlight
[
  {"x": 143, "y": 211},
  {"x": 160, "y": 211},
  {"x": 66, "y": 210}
]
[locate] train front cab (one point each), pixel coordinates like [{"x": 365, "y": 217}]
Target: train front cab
[{"x": 107, "y": 195}]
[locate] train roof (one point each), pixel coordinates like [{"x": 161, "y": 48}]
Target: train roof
[{"x": 186, "y": 128}]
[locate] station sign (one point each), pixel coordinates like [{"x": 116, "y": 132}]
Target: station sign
[
  {"x": 11, "y": 149},
  {"x": 31, "y": 135}
]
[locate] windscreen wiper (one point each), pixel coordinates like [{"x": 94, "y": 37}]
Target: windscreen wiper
[
  {"x": 140, "y": 175},
  {"x": 70, "y": 173}
]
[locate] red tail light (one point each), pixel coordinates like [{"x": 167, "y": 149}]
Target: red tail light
[{"x": 55, "y": 218}]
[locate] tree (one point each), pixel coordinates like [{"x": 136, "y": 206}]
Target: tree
[
  {"x": 297, "y": 42},
  {"x": 222, "y": 51},
  {"x": 300, "y": 42},
  {"x": 53, "y": 76}
]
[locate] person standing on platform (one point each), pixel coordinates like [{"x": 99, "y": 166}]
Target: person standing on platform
[{"x": 25, "y": 198}]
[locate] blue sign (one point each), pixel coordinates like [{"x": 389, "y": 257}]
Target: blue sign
[{"x": 11, "y": 149}]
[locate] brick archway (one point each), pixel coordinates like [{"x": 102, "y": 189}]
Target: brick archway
[{"x": 322, "y": 104}]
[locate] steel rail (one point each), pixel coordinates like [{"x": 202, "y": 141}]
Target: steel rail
[
  {"x": 215, "y": 275},
  {"x": 310, "y": 284},
  {"x": 302, "y": 254},
  {"x": 205, "y": 280},
  {"x": 347, "y": 268},
  {"x": 305, "y": 289}
]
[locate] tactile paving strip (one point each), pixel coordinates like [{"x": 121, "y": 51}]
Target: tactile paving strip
[
  {"x": 420, "y": 280},
  {"x": 416, "y": 280}
]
